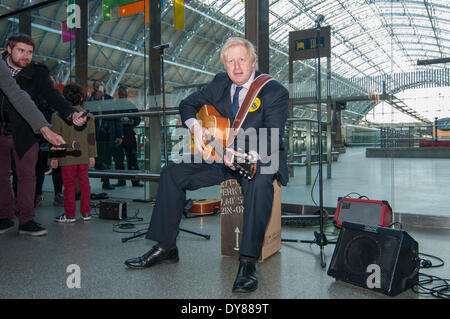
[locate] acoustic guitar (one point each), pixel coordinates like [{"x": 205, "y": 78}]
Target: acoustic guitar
[
  {"x": 205, "y": 206},
  {"x": 221, "y": 136},
  {"x": 201, "y": 207}
]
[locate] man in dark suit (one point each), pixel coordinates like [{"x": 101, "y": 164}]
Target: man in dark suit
[
  {"x": 109, "y": 131},
  {"x": 264, "y": 122},
  {"x": 128, "y": 145}
]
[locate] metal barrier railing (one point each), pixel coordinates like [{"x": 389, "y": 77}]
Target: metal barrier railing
[{"x": 125, "y": 175}]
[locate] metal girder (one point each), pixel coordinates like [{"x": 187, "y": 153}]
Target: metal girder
[
  {"x": 415, "y": 15},
  {"x": 100, "y": 43},
  {"x": 402, "y": 25},
  {"x": 433, "y": 61},
  {"x": 364, "y": 28},
  {"x": 390, "y": 30},
  {"x": 10, "y": 23},
  {"x": 113, "y": 77},
  {"x": 402, "y": 107},
  {"x": 312, "y": 15},
  {"x": 433, "y": 23},
  {"x": 92, "y": 28},
  {"x": 129, "y": 59},
  {"x": 193, "y": 31},
  {"x": 359, "y": 59}
]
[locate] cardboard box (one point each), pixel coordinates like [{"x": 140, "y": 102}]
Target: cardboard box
[{"x": 232, "y": 217}]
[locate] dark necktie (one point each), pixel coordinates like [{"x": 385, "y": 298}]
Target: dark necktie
[{"x": 235, "y": 107}]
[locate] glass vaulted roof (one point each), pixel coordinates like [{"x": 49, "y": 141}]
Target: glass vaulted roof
[
  {"x": 375, "y": 47},
  {"x": 369, "y": 37}
]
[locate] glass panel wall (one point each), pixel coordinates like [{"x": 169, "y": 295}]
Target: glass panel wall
[{"x": 369, "y": 149}]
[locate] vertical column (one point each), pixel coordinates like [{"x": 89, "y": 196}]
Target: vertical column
[
  {"x": 25, "y": 22},
  {"x": 329, "y": 139},
  {"x": 81, "y": 46},
  {"x": 153, "y": 140},
  {"x": 337, "y": 142},
  {"x": 291, "y": 124},
  {"x": 308, "y": 142},
  {"x": 257, "y": 30},
  {"x": 329, "y": 132}
]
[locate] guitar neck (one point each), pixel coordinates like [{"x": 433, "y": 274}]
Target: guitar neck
[{"x": 247, "y": 169}]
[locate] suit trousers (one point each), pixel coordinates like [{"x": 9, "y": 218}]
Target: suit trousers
[
  {"x": 26, "y": 180},
  {"x": 176, "y": 179}
]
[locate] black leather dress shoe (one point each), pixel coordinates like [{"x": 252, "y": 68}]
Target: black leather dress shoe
[
  {"x": 137, "y": 184},
  {"x": 107, "y": 186},
  {"x": 156, "y": 255},
  {"x": 247, "y": 278},
  {"x": 120, "y": 183}
]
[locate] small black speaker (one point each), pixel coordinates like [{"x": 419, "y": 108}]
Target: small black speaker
[
  {"x": 113, "y": 209},
  {"x": 364, "y": 252}
]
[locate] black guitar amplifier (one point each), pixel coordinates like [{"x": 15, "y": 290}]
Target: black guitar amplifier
[{"x": 113, "y": 209}]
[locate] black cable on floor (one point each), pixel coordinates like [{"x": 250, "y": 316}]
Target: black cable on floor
[
  {"x": 440, "y": 290},
  {"x": 130, "y": 223},
  {"x": 425, "y": 263}
]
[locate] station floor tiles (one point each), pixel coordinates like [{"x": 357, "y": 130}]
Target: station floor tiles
[{"x": 38, "y": 267}]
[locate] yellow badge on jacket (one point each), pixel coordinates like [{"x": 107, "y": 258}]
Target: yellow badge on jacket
[{"x": 255, "y": 105}]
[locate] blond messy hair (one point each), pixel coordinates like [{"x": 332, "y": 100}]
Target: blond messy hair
[{"x": 238, "y": 41}]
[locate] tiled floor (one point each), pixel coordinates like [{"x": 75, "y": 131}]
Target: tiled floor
[{"x": 38, "y": 267}]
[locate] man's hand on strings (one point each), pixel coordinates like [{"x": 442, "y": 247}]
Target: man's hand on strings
[
  {"x": 200, "y": 133},
  {"x": 229, "y": 156}
]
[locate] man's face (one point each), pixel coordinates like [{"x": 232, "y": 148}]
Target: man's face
[
  {"x": 21, "y": 54},
  {"x": 99, "y": 87},
  {"x": 239, "y": 64}
]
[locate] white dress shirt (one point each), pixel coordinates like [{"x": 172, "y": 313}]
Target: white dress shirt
[{"x": 245, "y": 87}]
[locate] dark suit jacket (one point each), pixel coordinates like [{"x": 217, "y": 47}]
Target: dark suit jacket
[
  {"x": 108, "y": 129},
  {"x": 129, "y": 135},
  {"x": 272, "y": 113},
  {"x": 35, "y": 80},
  {"x": 20, "y": 100}
]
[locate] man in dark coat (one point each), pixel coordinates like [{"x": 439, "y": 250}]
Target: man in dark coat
[
  {"x": 129, "y": 144},
  {"x": 18, "y": 141},
  {"x": 23, "y": 104},
  {"x": 109, "y": 132},
  {"x": 264, "y": 124}
]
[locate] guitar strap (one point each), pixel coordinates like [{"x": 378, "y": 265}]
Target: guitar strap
[{"x": 252, "y": 93}]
